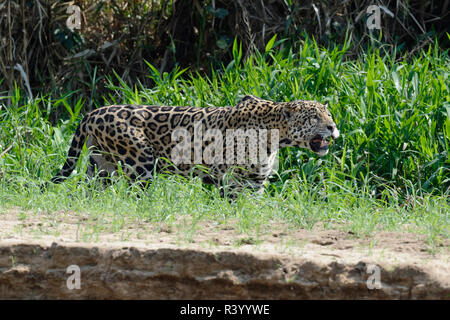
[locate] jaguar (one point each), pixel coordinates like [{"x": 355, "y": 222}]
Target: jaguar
[{"x": 190, "y": 141}]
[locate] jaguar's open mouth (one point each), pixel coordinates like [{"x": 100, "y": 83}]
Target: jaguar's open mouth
[{"x": 320, "y": 144}]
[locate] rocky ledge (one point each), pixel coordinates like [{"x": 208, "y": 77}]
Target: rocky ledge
[{"x": 118, "y": 270}]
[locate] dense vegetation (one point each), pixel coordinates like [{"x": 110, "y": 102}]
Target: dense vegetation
[
  {"x": 118, "y": 35},
  {"x": 389, "y": 169}
]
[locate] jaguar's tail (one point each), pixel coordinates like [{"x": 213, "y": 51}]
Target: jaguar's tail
[{"x": 74, "y": 153}]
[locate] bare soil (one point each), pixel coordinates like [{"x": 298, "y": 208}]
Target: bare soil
[{"x": 147, "y": 260}]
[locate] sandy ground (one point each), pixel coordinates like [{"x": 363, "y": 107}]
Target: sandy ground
[{"x": 68, "y": 226}]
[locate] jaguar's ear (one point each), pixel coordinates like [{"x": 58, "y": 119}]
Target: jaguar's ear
[{"x": 248, "y": 97}]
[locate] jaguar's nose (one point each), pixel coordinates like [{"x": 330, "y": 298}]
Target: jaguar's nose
[{"x": 333, "y": 131}]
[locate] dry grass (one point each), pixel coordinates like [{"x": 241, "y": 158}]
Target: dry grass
[{"x": 38, "y": 51}]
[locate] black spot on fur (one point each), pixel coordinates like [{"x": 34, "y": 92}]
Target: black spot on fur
[
  {"x": 113, "y": 109},
  {"x": 109, "y": 141},
  {"x": 144, "y": 114},
  {"x": 152, "y": 126},
  {"x": 161, "y": 117},
  {"x": 121, "y": 150},
  {"x": 163, "y": 129},
  {"x": 109, "y": 118},
  {"x": 140, "y": 171},
  {"x": 175, "y": 119},
  {"x": 148, "y": 151},
  {"x": 80, "y": 144},
  {"x": 181, "y": 109},
  {"x": 186, "y": 120},
  {"x": 166, "y": 139},
  {"x": 124, "y": 114},
  {"x": 135, "y": 121},
  {"x": 149, "y": 167},
  {"x": 130, "y": 161},
  {"x": 72, "y": 153}
]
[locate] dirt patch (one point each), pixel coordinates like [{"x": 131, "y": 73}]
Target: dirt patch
[{"x": 211, "y": 260}]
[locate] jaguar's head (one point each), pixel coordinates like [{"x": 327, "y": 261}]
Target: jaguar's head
[{"x": 309, "y": 125}]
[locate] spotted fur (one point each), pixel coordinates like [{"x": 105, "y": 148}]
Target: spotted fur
[{"x": 140, "y": 137}]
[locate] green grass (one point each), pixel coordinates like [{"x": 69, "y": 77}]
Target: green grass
[{"x": 390, "y": 169}]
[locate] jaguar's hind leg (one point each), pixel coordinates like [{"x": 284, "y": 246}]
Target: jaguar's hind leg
[
  {"x": 137, "y": 160},
  {"x": 100, "y": 163}
]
